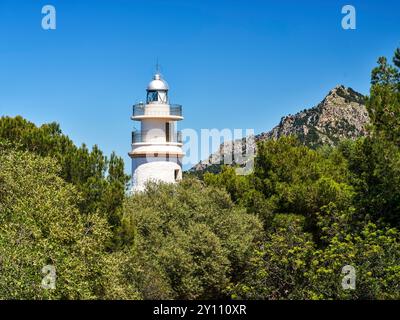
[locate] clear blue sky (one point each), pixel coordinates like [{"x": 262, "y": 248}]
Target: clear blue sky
[{"x": 232, "y": 64}]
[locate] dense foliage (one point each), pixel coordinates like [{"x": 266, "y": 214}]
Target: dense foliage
[
  {"x": 192, "y": 239},
  {"x": 40, "y": 225},
  {"x": 328, "y": 208},
  {"x": 101, "y": 181},
  {"x": 285, "y": 231}
]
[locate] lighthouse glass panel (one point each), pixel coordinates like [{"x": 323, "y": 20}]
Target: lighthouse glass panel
[
  {"x": 152, "y": 96},
  {"x": 157, "y": 96}
]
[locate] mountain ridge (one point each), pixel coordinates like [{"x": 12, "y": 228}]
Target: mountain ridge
[{"x": 342, "y": 114}]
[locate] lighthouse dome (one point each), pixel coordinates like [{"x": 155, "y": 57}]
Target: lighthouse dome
[{"x": 157, "y": 83}]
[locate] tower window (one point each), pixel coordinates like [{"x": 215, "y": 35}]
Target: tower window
[{"x": 168, "y": 132}]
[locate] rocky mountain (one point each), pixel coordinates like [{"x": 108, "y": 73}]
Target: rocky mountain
[{"x": 340, "y": 115}]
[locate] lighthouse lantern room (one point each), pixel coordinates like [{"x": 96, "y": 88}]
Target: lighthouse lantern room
[{"x": 157, "y": 145}]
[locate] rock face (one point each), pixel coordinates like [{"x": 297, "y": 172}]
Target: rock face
[{"x": 340, "y": 115}]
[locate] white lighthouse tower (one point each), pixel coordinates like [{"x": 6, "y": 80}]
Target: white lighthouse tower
[{"x": 156, "y": 145}]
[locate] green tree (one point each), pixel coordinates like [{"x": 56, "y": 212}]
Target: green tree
[
  {"x": 384, "y": 110},
  {"x": 278, "y": 268},
  {"x": 396, "y": 58},
  {"x": 290, "y": 266},
  {"x": 101, "y": 182},
  {"x": 40, "y": 225},
  {"x": 374, "y": 253},
  {"x": 374, "y": 163},
  {"x": 385, "y": 74},
  {"x": 298, "y": 180},
  {"x": 191, "y": 236},
  {"x": 384, "y": 102},
  {"x": 236, "y": 185}
]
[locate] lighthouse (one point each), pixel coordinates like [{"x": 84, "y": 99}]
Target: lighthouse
[{"x": 156, "y": 144}]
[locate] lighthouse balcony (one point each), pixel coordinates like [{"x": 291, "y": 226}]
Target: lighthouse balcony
[
  {"x": 157, "y": 110},
  {"x": 158, "y": 151},
  {"x": 156, "y": 137}
]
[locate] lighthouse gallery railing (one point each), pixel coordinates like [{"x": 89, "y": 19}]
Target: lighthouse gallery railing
[
  {"x": 139, "y": 109},
  {"x": 138, "y": 136}
]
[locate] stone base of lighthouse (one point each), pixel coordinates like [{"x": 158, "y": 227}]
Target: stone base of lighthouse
[{"x": 155, "y": 169}]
